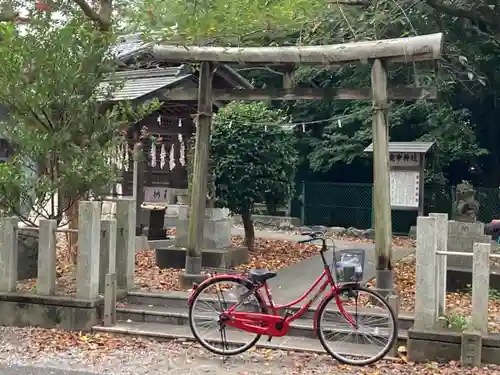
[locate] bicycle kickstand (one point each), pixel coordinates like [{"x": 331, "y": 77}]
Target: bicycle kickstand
[{"x": 224, "y": 343}]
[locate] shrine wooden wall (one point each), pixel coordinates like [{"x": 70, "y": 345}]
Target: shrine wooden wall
[{"x": 165, "y": 163}]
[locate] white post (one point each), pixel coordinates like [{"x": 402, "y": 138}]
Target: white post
[
  {"x": 425, "y": 297},
  {"x": 441, "y": 261},
  {"x": 125, "y": 242},
  {"x": 87, "y": 266},
  {"x": 8, "y": 254},
  {"x": 46, "y": 281},
  {"x": 107, "y": 260},
  {"x": 480, "y": 286}
]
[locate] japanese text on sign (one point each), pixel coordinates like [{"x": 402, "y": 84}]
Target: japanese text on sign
[
  {"x": 155, "y": 194},
  {"x": 404, "y": 159},
  {"x": 405, "y": 189}
]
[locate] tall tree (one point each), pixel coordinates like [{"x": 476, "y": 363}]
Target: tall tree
[
  {"x": 55, "y": 82},
  {"x": 251, "y": 159}
]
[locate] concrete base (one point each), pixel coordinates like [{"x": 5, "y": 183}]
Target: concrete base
[
  {"x": 216, "y": 233},
  {"x": 384, "y": 281},
  {"x": 186, "y": 281},
  {"x": 142, "y": 243},
  {"x": 175, "y": 257},
  {"x": 446, "y": 346},
  {"x": 271, "y": 221},
  {"x": 66, "y": 312}
]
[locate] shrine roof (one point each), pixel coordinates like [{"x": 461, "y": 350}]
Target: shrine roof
[
  {"x": 138, "y": 83},
  {"x": 142, "y": 76},
  {"x": 420, "y": 147}
]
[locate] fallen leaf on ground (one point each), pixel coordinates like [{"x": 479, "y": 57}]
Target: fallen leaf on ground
[
  {"x": 272, "y": 254},
  {"x": 37, "y": 343},
  {"x": 396, "y": 241},
  {"x": 457, "y": 303},
  {"x": 275, "y": 254}
]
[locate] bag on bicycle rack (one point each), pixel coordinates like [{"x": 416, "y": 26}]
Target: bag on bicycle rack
[{"x": 350, "y": 266}]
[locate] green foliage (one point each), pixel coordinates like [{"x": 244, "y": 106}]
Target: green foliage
[
  {"x": 249, "y": 22},
  {"x": 54, "y": 84},
  {"x": 457, "y": 322},
  {"x": 454, "y": 126},
  {"x": 250, "y": 160},
  {"x": 462, "y": 123},
  {"x": 451, "y": 130}
]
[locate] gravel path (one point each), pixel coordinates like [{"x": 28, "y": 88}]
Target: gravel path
[
  {"x": 34, "y": 351},
  {"x": 165, "y": 358},
  {"x": 28, "y": 370},
  {"x": 29, "y": 351}
]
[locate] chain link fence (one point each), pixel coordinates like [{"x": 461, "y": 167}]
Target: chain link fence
[
  {"x": 489, "y": 204},
  {"x": 342, "y": 205},
  {"x": 350, "y": 205}
]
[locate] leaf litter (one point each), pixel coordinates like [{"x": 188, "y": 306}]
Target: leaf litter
[
  {"x": 118, "y": 354},
  {"x": 272, "y": 254},
  {"x": 91, "y": 348},
  {"x": 457, "y": 303},
  {"x": 267, "y": 253}
]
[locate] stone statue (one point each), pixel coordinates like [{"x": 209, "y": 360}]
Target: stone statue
[{"x": 466, "y": 205}]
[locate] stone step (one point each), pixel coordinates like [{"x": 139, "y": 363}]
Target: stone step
[
  {"x": 293, "y": 343},
  {"x": 302, "y": 327},
  {"x": 178, "y": 300}
]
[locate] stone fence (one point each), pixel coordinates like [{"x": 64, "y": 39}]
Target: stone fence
[
  {"x": 106, "y": 256},
  {"x": 430, "y": 292}
]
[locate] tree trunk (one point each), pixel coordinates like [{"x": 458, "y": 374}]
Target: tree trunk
[{"x": 246, "y": 217}]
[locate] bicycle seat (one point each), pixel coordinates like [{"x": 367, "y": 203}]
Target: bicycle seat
[{"x": 261, "y": 275}]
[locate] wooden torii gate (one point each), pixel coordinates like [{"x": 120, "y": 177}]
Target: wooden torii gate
[{"x": 379, "y": 53}]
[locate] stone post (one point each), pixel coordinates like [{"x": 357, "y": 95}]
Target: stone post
[
  {"x": 125, "y": 242},
  {"x": 110, "y": 300},
  {"x": 480, "y": 286},
  {"x": 8, "y": 254},
  {"x": 46, "y": 281},
  {"x": 425, "y": 296},
  {"x": 107, "y": 261},
  {"x": 441, "y": 261},
  {"x": 87, "y": 267},
  {"x": 393, "y": 301},
  {"x": 471, "y": 349}
]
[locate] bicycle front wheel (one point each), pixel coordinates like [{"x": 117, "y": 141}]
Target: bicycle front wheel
[{"x": 363, "y": 334}]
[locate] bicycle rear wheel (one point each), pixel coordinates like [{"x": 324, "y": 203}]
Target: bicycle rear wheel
[
  {"x": 358, "y": 344},
  {"x": 210, "y": 301}
]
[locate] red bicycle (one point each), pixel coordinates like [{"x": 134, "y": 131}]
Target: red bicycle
[{"x": 250, "y": 313}]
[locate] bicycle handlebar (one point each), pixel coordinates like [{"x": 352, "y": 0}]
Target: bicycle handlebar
[{"x": 315, "y": 236}]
